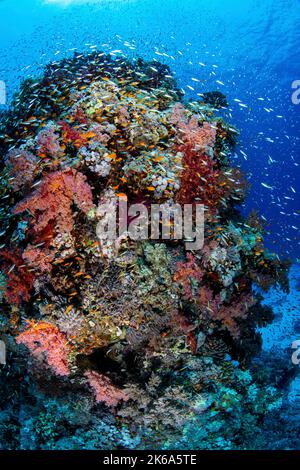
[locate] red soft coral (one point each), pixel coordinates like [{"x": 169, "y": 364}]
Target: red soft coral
[
  {"x": 72, "y": 135},
  {"x": 199, "y": 179},
  {"x": 104, "y": 390},
  {"x": 20, "y": 279},
  {"x": 237, "y": 310},
  {"x": 47, "y": 343},
  {"x": 186, "y": 274},
  {"x": 181, "y": 325}
]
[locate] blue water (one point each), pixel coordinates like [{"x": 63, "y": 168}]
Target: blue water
[{"x": 252, "y": 47}]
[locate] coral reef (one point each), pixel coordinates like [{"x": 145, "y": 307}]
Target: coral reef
[{"x": 130, "y": 343}]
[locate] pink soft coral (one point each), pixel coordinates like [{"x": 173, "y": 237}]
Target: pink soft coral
[
  {"x": 48, "y": 142},
  {"x": 227, "y": 315},
  {"x": 178, "y": 114},
  {"x": 104, "y": 390},
  {"x": 39, "y": 259},
  {"x": 52, "y": 202},
  {"x": 46, "y": 342},
  {"x": 21, "y": 167},
  {"x": 201, "y": 137}
]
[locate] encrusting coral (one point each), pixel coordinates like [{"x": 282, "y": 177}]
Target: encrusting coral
[{"x": 144, "y": 326}]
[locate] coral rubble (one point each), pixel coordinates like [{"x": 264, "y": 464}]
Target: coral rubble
[{"x": 141, "y": 344}]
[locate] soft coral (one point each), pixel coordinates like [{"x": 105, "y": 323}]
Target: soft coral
[
  {"x": 104, "y": 389},
  {"x": 52, "y": 208},
  {"x": 53, "y": 201},
  {"x": 199, "y": 180},
  {"x": 228, "y": 314},
  {"x": 46, "y": 342},
  {"x": 186, "y": 274}
]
